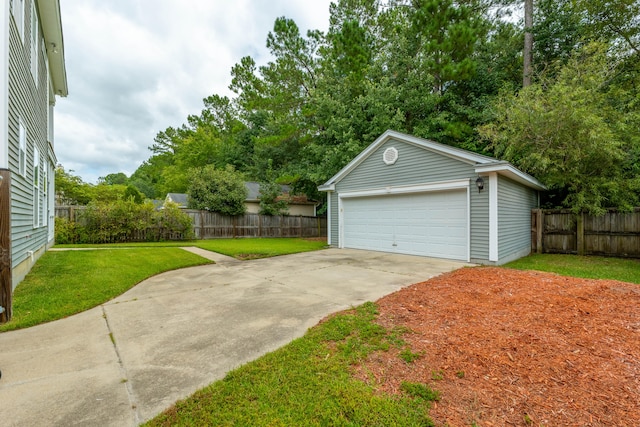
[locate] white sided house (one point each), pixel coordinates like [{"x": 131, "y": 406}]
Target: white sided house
[
  {"x": 32, "y": 74},
  {"x": 410, "y": 195}
]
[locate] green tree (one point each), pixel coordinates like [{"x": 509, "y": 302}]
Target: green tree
[
  {"x": 70, "y": 189},
  {"x": 614, "y": 21},
  {"x": 449, "y": 31},
  {"x": 271, "y": 201},
  {"x": 105, "y": 193},
  {"x": 132, "y": 193},
  {"x": 569, "y": 134},
  {"x": 217, "y": 190},
  {"x": 114, "y": 178}
]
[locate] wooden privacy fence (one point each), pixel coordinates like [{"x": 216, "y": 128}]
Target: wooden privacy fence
[
  {"x": 561, "y": 231},
  {"x": 211, "y": 225}
]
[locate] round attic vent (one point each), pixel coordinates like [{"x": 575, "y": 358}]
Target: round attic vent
[{"x": 390, "y": 156}]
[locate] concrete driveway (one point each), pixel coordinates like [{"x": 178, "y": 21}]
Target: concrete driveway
[{"x": 126, "y": 361}]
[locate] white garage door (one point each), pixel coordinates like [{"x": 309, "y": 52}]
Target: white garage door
[{"x": 430, "y": 224}]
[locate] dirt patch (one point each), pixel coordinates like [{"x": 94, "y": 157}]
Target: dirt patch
[
  {"x": 507, "y": 347},
  {"x": 248, "y": 257}
]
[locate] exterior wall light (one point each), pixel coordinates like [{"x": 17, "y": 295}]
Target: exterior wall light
[{"x": 480, "y": 184}]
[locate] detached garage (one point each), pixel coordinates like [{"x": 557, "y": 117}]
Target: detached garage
[{"x": 409, "y": 195}]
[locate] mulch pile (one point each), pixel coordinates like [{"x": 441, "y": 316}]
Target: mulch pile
[{"x": 507, "y": 347}]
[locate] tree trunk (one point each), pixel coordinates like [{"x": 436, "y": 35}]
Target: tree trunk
[{"x": 528, "y": 43}]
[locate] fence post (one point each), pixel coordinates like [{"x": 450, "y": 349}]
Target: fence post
[
  {"x": 539, "y": 230},
  {"x": 580, "y": 233}
]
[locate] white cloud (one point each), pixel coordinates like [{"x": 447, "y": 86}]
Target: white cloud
[{"x": 136, "y": 67}]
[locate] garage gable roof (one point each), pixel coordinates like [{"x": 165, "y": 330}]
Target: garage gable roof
[{"x": 483, "y": 164}]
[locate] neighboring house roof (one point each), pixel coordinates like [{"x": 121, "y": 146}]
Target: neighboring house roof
[
  {"x": 253, "y": 191},
  {"x": 51, "y": 22},
  {"x": 178, "y": 198},
  {"x": 482, "y": 163}
]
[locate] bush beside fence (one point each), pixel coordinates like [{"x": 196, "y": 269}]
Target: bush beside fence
[
  {"x": 119, "y": 222},
  {"x": 204, "y": 225},
  {"x": 561, "y": 231}
]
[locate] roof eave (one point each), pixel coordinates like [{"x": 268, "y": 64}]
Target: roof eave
[
  {"x": 51, "y": 21},
  {"x": 508, "y": 170},
  {"x": 327, "y": 187}
]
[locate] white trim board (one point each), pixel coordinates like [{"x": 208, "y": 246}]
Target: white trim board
[
  {"x": 493, "y": 217},
  {"x": 407, "y": 189},
  {"x": 329, "y": 218}
]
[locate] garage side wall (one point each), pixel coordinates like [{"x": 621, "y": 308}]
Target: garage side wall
[
  {"x": 515, "y": 202},
  {"x": 480, "y": 224},
  {"x": 333, "y": 219}
]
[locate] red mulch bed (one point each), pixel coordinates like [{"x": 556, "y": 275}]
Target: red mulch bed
[{"x": 517, "y": 348}]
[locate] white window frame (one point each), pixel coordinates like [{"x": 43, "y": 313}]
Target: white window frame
[
  {"x": 34, "y": 42},
  {"x": 22, "y": 148},
  {"x": 36, "y": 187},
  {"x": 44, "y": 206},
  {"x": 17, "y": 10},
  {"x": 51, "y": 200}
]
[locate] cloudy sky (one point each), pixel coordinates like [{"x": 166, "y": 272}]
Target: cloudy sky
[{"x": 136, "y": 67}]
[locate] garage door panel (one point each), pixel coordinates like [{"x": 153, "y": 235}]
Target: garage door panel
[{"x": 429, "y": 224}]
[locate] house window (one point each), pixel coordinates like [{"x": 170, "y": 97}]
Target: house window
[
  {"x": 22, "y": 156},
  {"x": 17, "y": 9},
  {"x": 36, "y": 187},
  {"x": 34, "y": 43}
]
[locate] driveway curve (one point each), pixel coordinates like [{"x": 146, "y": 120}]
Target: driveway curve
[{"x": 126, "y": 361}]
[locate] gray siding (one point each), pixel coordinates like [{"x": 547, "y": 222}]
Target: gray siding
[
  {"x": 415, "y": 166},
  {"x": 515, "y": 202},
  {"x": 480, "y": 223},
  {"x": 334, "y": 218},
  {"x": 29, "y": 102}
]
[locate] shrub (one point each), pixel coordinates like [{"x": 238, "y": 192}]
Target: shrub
[
  {"x": 271, "y": 202},
  {"x": 217, "y": 190},
  {"x": 68, "y": 231},
  {"x": 124, "y": 221}
]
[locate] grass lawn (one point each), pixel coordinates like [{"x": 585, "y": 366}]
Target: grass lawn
[
  {"x": 64, "y": 283},
  {"x": 239, "y": 248},
  {"x": 308, "y": 382},
  {"x": 260, "y": 248},
  {"x": 589, "y": 267}
]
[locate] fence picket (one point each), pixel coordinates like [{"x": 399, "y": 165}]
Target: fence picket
[
  {"x": 561, "y": 231},
  {"x": 211, "y": 225}
]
